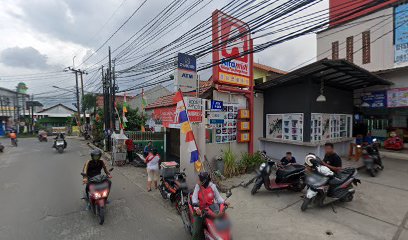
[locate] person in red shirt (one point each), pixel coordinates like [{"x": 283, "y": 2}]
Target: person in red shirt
[{"x": 130, "y": 148}]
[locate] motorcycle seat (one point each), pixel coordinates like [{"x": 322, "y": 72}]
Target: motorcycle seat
[
  {"x": 342, "y": 177},
  {"x": 289, "y": 170}
]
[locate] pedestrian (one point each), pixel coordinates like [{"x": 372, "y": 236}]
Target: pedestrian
[
  {"x": 130, "y": 148},
  {"x": 147, "y": 148},
  {"x": 288, "y": 159},
  {"x": 152, "y": 166},
  {"x": 13, "y": 138},
  {"x": 331, "y": 159}
]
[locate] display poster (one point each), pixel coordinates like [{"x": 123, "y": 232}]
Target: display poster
[
  {"x": 325, "y": 126},
  {"x": 274, "y": 126},
  {"x": 194, "y": 109},
  {"x": 227, "y": 131},
  {"x": 401, "y": 34},
  {"x": 293, "y": 127},
  {"x": 397, "y": 97},
  {"x": 216, "y": 118},
  {"x": 376, "y": 99}
]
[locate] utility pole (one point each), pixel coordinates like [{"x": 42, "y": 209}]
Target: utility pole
[
  {"x": 76, "y": 72},
  {"x": 32, "y": 113},
  {"x": 112, "y": 100},
  {"x": 82, "y": 97},
  {"x": 113, "y": 92}
]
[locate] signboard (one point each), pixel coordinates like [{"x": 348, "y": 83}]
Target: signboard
[
  {"x": 243, "y": 114},
  {"x": 243, "y": 126},
  {"x": 231, "y": 41},
  {"x": 186, "y": 80},
  {"x": 397, "y": 97},
  {"x": 164, "y": 116},
  {"x": 375, "y": 99},
  {"x": 243, "y": 137},
  {"x": 216, "y": 118},
  {"x": 401, "y": 34},
  {"x": 194, "y": 108},
  {"x": 186, "y": 62},
  {"x": 216, "y": 105}
]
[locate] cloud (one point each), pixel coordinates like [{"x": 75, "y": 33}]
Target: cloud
[{"x": 27, "y": 57}]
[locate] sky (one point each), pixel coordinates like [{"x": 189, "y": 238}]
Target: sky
[{"x": 41, "y": 37}]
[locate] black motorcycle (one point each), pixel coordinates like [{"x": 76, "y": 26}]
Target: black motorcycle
[
  {"x": 372, "y": 159},
  {"x": 1, "y": 147},
  {"x": 174, "y": 188},
  {"x": 324, "y": 186},
  {"x": 290, "y": 176}
]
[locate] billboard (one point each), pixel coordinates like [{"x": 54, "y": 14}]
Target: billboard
[
  {"x": 186, "y": 73},
  {"x": 401, "y": 34},
  {"x": 231, "y": 41},
  {"x": 376, "y": 99},
  {"x": 397, "y": 97}
]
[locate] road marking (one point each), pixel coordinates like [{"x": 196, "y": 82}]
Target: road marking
[{"x": 400, "y": 227}]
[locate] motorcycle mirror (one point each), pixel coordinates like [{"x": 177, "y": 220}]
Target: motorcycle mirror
[
  {"x": 83, "y": 174},
  {"x": 110, "y": 170}
]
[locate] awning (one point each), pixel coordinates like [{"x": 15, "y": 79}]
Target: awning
[{"x": 335, "y": 73}]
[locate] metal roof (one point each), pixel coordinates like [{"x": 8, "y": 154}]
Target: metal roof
[{"x": 335, "y": 73}]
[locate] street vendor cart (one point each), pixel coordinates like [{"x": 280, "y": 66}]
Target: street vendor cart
[{"x": 119, "y": 149}]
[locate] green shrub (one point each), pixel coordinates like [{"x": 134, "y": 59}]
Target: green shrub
[
  {"x": 230, "y": 165},
  {"x": 251, "y": 161}
]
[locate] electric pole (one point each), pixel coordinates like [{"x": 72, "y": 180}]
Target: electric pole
[
  {"x": 82, "y": 97},
  {"x": 76, "y": 72}
]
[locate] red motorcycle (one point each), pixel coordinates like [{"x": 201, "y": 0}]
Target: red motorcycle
[
  {"x": 216, "y": 222},
  {"x": 394, "y": 143},
  {"x": 99, "y": 188}
]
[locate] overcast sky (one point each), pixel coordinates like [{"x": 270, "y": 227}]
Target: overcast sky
[{"x": 40, "y": 36}]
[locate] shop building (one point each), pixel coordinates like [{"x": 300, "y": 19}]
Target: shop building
[
  {"x": 12, "y": 106},
  {"x": 313, "y": 105},
  {"x": 374, "y": 39}
]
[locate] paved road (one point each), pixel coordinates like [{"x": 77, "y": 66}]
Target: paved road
[{"x": 40, "y": 194}]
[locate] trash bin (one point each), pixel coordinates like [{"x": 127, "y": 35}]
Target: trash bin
[{"x": 219, "y": 162}]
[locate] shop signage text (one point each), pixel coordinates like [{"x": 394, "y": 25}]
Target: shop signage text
[
  {"x": 375, "y": 99},
  {"x": 216, "y": 105}
]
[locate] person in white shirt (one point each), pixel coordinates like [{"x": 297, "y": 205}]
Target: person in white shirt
[{"x": 152, "y": 161}]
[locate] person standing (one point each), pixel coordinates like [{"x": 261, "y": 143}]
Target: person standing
[
  {"x": 331, "y": 159},
  {"x": 130, "y": 148},
  {"x": 152, "y": 166},
  {"x": 147, "y": 148}
]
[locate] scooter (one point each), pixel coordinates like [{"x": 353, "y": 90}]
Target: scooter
[
  {"x": 42, "y": 137},
  {"x": 98, "y": 195},
  {"x": 324, "y": 187},
  {"x": 394, "y": 143},
  {"x": 14, "y": 142},
  {"x": 1, "y": 147},
  {"x": 60, "y": 145},
  {"x": 174, "y": 189},
  {"x": 372, "y": 159},
  {"x": 216, "y": 222},
  {"x": 290, "y": 177}
]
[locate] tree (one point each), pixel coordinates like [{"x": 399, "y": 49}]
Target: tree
[
  {"x": 135, "y": 119},
  {"x": 89, "y": 102}
]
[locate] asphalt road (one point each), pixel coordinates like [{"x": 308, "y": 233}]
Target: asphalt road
[{"x": 40, "y": 193}]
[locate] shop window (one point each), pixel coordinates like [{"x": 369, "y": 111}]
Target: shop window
[
  {"x": 285, "y": 126},
  {"x": 366, "y": 47},
  {"x": 258, "y": 81},
  {"x": 335, "y": 50},
  {"x": 349, "y": 49},
  {"x": 330, "y": 126}
]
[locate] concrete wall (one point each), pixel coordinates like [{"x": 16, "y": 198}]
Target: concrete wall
[
  {"x": 258, "y": 120},
  {"x": 382, "y": 50}
]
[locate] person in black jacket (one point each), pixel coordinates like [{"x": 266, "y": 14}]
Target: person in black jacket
[
  {"x": 331, "y": 159},
  {"x": 288, "y": 159}
]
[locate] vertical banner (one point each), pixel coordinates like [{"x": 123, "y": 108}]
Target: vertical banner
[{"x": 231, "y": 44}]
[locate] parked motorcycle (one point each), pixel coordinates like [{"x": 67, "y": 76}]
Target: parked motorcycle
[
  {"x": 290, "y": 177},
  {"x": 98, "y": 195},
  {"x": 216, "y": 222},
  {"x": 1, "y": 147},
  {"x": 42, "y": 137},
  {"x": 324, "y": 187},
  {"x": 174, "y": 188},
  {"x": 87, "y": 136},
  {"x": 372, "y": 159}
]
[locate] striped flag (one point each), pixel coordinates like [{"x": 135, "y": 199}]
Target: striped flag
[{"x": 185, "y": 128}]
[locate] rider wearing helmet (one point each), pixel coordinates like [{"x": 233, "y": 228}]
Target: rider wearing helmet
[
  {"x": 93, "y": 167},
  {"x": 204, "y": 195}
]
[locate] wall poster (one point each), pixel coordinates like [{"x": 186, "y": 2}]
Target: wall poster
[
  {"x": 397, "y": 97},
  {"x": 227, "y": 131},
  {"x": 274, "y": 126}
]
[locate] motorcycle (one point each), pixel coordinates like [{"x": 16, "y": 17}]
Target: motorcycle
[
  {"x": 216, "y": 222},
  {"x": 174, "y": 188},
  {"x": 42, "y": 137},
  {"x": 372, "y": 159},
  {"x": 87, "y": 136},
  {"x": 14, "y": 142},
  {"x": 324, "y": 187},
  {"x": 1, "y": 147},
  {"x": 98, "y": 195},
  {"x": 60, "y": 145},
  {"x": 394, "y": 143},
  {"x": 290, "y": 177}
]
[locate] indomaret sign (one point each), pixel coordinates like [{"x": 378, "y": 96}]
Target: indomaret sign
[{"x": 231, "y": 44}]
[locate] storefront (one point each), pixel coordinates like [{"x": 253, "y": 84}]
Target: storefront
[{"x": 311, "y": 106}]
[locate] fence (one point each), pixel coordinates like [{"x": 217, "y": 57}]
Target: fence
[{"x": 142, "y": 138}]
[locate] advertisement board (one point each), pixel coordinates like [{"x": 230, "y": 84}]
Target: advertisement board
[
  {"x": 216, "y": 105},
  {"x": 375, "y": 99},
  {"x": 397, "y": 97},
  {"x": 186, "y": 80},
  {"x": 194, "y": 108},
  {"x": 231, "y": 42},
  {"x": 186, "y": 62},
  {"x": 401, "y": 34}
]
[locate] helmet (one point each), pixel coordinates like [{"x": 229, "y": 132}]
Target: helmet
[
  {"x": 204, "y": 178},
  {"x": 96, "y": 154},
  {"x": 311, "y": 160}
]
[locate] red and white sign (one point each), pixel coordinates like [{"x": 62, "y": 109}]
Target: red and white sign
[
  {"x": 228, "y": 43},
  {"x": 194, "y": 108},
  {"x": 165, "y": 115}
]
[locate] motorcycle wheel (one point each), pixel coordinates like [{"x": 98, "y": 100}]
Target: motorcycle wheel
[
  {"x": 305, "y": 204},
  {"x": 257, "y": 186},
  {"x": 372, "y": 172},
  {"x": 186, "y": 220},
  {"x": 348, "y": 198},
  {"x": 101, "y": 215},
  {"x": 60, "y": 150},
  {"x": 299, "y": 186}
]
